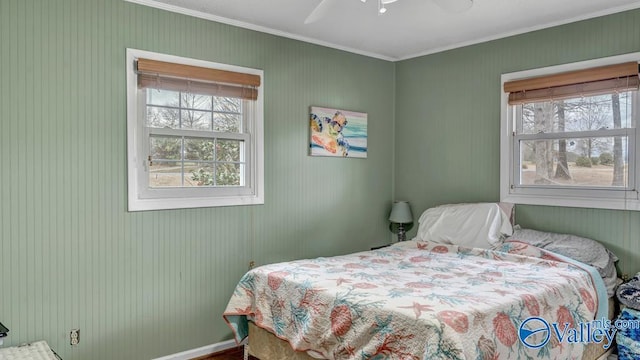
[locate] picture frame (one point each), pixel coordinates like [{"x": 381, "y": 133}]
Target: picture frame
[{"x": 337, "y": 133}]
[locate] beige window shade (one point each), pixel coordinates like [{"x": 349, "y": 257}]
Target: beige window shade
[
  {"x": 179, "y": 77},
  {"x": 587, "y": 82}
]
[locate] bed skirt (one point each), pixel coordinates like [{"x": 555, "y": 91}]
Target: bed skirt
[{"x": 265, "y": 346}]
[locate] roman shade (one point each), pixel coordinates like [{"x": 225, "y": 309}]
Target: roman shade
[
  {"x": 201, "y": 80},
  {"x": 586, "y": 82}
]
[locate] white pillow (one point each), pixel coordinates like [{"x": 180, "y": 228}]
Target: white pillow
[{"x": 482, "y": 225}]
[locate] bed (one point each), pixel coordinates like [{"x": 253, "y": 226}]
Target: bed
[{"x": 419, "y": 299}]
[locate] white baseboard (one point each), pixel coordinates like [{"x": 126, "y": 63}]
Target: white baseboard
[{"x": 201, "y": 351}]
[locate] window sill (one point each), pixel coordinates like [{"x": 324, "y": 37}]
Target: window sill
[
  {"x": 189, "y": 203},
  {"x": 579, "y": 202}
]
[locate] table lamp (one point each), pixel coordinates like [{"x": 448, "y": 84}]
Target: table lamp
[
  {"x": 401, "y": 215},
  {"x": 3, "y": 333}
]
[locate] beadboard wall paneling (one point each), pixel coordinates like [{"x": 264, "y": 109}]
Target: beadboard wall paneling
[
  {"x": 448, "y": 125},
  {"x": 147, "y": 284},
  {"x": 619, "y": 230}
]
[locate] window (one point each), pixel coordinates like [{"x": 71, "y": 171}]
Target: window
[
  {"x": 569, "y": 135},
  {"x": 194, "y": 133}
]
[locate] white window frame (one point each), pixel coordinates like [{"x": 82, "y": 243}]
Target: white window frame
[
  {"x": 604, "y": 198},
  {"x": 141, "y": 197}
]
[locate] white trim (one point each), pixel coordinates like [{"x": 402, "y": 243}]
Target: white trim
[
  {"x": 137, "y": 198},
  {"x": 199, "y": 134},
  {"x": 267, "y": 30},
  {"x": 602, "y": 199},
  {"x": 506, "y": 34},
  {"x": 580, "y": 202},
  {"x": 201, "y": 351},
  {"x": 567, "y": 67},
  {"x": 249, "y": 26},
  {"x": 576, "y": 134}
]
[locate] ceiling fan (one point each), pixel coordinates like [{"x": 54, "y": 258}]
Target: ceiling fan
[{"x": 325, "y": 5}]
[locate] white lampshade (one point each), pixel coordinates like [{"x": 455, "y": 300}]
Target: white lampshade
[{"x": 401, "y": 213}]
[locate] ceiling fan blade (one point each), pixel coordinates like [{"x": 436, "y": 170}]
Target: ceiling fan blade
[
  {"x": 320, "y": 11},
  {"x": 454, "y": 5}
]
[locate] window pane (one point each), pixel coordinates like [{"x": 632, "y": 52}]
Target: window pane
[
  {"x": 195, "y": 101},
  {"x": 165, "y": 147},
  {"x": 593, "y": 162},
  {"x": 198, "y": 149},
  {"x": 233, "y": 105},
  {"x": 228, "y": 174},
  {"x": 160, "y": 117},
  {"x": 196, "y": 120},
  {"x": 196, "y": 175},
  {"x": 165, "y": 174},
  {"x": 163, "y": 97},
  {"x": 580, "y": 114},
  {"x": 228, "y": 150},
  {"x": 226, "y": 122}
]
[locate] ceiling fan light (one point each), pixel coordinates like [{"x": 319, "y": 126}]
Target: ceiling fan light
[{"x": 381, "y": 8}]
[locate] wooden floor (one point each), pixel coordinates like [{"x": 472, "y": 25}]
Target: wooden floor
[{"x": 232, "y": 354}]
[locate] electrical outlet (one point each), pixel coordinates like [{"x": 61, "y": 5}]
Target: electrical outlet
[
  {"x": 252, "y": 264},
  {"x": 74, "y": 336}
]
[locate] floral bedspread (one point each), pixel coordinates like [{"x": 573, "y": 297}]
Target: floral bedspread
[{"x": 416, "y": 300}]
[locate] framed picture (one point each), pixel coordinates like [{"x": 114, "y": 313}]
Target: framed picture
[{"x": 338, "y": 133}]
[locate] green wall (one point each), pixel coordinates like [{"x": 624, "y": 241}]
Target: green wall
[
  {"x": 448, "y": 125},
  {"x": 147, "y": 284}
]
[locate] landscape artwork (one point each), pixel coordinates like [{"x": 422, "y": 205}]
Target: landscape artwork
[{"x": 338, "y": 133}]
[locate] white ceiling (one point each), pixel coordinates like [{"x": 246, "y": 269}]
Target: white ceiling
[{"x": 410, "y": 28}]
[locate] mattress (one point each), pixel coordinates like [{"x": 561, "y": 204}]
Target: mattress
[
  {"x": 416, "y": 300},
  {"x": 266, "y": 346}
]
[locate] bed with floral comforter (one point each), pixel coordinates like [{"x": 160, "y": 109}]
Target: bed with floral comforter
[{"x": 416, "y": 300}]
